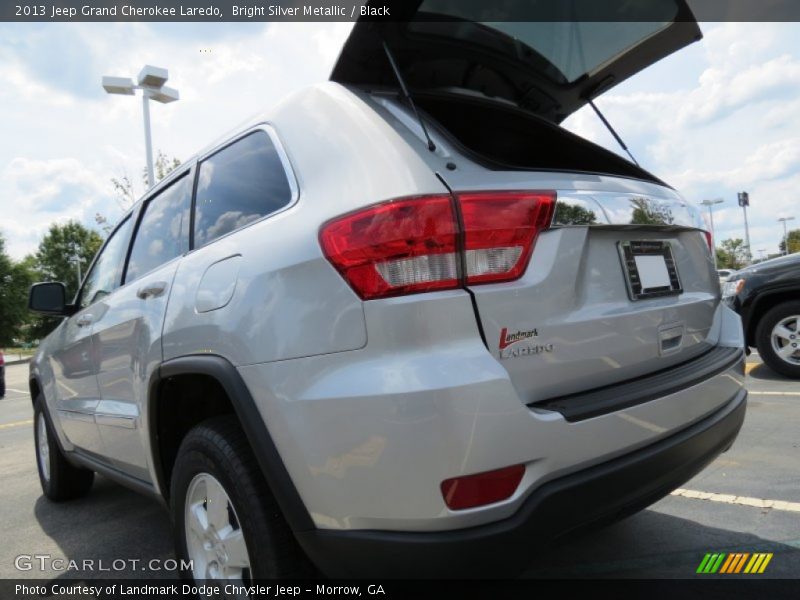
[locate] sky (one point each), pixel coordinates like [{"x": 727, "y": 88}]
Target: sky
[{"x": 716, "y": 118}]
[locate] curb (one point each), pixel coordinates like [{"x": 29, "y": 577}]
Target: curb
[{"x": 18, "y": 362}]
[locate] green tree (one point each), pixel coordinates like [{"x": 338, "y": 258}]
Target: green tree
[
  {"x": 15, "y": 280},
  {"x": 647, "y": 212},
  {"x": 731, "y": 254},
  {"x": 164, "y": 165},
  {"x": 63, "y": 250},
  {"x": 572, "y": 214},
  {"x": 126, "y": 192},
  {"x": 793, "y": 237}
]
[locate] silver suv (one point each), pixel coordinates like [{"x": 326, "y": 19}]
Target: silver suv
[{"x": 384, "y": 333}]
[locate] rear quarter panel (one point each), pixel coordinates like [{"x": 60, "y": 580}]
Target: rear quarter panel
[{"x": 288, "y": 301}]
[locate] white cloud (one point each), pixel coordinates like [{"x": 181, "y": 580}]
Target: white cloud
[
  {"x": 64, "y": 138},
  {"x": 37, "y": 193},
  {"x": 734, "y": 129},
  {"x": 718, "y": 118}
]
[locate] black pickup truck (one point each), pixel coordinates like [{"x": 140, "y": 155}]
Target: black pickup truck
[{"x": 767, "y": 296}]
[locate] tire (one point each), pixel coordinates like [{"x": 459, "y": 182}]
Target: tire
[
  {"x": 250, "y": 538},
  {"x": 777, "y": 330},
  {"x": 59, "y": 480}
]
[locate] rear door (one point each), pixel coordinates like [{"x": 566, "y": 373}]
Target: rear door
[
  {"x": 621, "y": 285},
  {"x": 549, "y": 58},
  {"x": 127, "y": 336}
]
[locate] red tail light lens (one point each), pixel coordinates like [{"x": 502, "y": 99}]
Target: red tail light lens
[
  {"x": 411, "y": 245},
  {"x": 482, "y": 488},
  {"x": 395, "y": 248},
  {"x": 500, "y": 229},
  {"x": 709, "y": 241}
]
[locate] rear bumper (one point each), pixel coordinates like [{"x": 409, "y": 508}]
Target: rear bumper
[{"x": 600, "y": 493}]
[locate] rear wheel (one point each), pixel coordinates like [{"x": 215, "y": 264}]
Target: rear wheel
[
  {"x": 778, "y": 339},
  {"x": 225, "y": 519},
  {"x": 59, "y": 479}
]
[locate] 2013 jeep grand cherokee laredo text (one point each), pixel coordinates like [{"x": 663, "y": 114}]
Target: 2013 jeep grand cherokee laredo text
[{"x": 339, "y": 338}]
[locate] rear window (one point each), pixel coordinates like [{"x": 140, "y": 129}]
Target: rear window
[
  {"x": 163, "y": 231},
  {"x": 571, "y": 47},
  {"x": 238, "y": 185}
]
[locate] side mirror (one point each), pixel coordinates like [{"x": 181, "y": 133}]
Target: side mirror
[{"x": 49, "y": 299}]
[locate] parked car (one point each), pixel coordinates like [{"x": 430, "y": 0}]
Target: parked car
[
  {"x": 767, "y": 296},
  {"x": 338, "y": 336},
  {"x": 724, "y": 275},
  {"x": 2, "y": 375}
]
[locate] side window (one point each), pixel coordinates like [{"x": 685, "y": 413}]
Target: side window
[
  {"x": 106, "y": 273},
  {"x": 163, "y": 231},
  {"x": 237, "y": 185}
]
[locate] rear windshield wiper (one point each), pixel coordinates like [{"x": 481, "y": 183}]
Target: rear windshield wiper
[
  {"x": 407, "y": 95},
  {"x": 614, "y": 133}
]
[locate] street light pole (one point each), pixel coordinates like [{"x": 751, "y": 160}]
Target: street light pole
[
  {"x": 744, "y": 202},
  {"x": 785, "y": 234},
  {"x": 76, "y": 257},
  {"x": 148, "y": 144},
  {"x": 151, "y": 81},
  {"x": 708, "y": 204}
]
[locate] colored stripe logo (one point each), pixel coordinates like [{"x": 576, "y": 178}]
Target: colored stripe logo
[{"x": 735, "y": 562}]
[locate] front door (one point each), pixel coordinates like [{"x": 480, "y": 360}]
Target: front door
[
  {"x": 127, "y": 338},
  {"x": 75, "y": 362},
  {"x": 76, "y": 393}
]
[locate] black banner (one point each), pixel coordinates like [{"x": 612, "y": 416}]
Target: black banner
[
  {"x": 706, "y": 587},
  {"x": 389, "y": 10}
]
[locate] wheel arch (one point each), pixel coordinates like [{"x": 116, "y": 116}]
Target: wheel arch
[{"x": 221, "y": 371}]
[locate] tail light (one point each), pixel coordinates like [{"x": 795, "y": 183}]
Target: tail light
[
  {"x": 709, "y": 241},
  {"x": 416, "y": 245},
  {"x": 480, "y": 489}
]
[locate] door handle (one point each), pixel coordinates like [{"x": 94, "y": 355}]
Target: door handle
[
  {"x": 152, "y": 290},
  {"x": 84, "y": 320}
]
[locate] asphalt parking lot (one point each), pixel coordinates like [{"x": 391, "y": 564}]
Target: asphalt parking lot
[{"x": 746, "y": 501}]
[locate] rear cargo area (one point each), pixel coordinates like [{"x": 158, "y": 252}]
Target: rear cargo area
[{"x": 501, "y": 136}]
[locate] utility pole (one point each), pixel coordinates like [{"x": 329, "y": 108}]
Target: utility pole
[{"x": 744, "y": 202}]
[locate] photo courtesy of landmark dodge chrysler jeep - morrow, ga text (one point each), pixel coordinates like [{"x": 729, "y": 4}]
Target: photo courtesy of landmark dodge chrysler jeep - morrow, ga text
[{"x": 377, "y": 336}]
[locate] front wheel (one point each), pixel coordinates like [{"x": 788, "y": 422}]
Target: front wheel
[
  {"x": 58, "y": 478},
  {"x": 226, "y": 522},
  {"x": 778, "y": 339}
]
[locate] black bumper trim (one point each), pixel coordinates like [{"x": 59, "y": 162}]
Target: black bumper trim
[
  {"x": 602, "y": 493},
  {"x": 618, "y": 396}
]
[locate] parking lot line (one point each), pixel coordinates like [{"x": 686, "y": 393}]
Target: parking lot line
[
  {"x": 17, "y": 391},
  {"x": 16, "y": 424},
  {"x": 741, "y": 500},
  {"x": 757, "y": 393}
]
